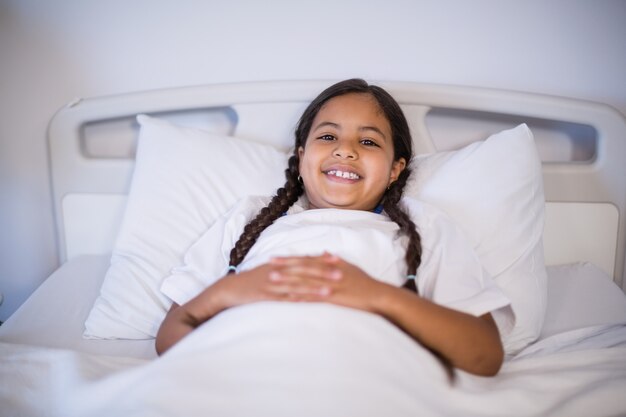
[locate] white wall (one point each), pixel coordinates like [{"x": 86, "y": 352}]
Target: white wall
[{"x": 54, "y": 50}]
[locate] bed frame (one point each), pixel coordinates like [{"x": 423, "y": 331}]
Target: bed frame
[{"x": 582, "y": 144}]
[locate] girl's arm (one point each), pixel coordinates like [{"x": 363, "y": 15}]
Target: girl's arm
[
  {"x": 182, "y": 320},
  {"x": 258, "y": 284},
  {"x": 469, "y": 343},
  {"x": 178, "y": 323}
]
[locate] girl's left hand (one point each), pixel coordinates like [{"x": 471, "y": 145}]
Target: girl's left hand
[{"x": 345, "y": 283}]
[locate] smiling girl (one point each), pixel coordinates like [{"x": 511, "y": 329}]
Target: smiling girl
[{"x": 339, "y": 232}]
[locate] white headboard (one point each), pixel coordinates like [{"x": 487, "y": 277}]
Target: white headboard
[{"x": 583, "y": 145}]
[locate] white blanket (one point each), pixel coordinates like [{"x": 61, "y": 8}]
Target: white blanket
[{"x": 282, "y": 359}]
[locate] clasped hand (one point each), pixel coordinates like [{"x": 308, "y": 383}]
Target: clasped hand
[{"x": 324, "y": 278}]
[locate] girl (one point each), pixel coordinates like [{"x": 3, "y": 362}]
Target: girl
[{"x": 350, "y": 165}]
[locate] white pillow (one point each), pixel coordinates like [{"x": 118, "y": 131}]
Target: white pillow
[
  {"x": 494, "y": 191},
  {"x": 184, "y": 178}
]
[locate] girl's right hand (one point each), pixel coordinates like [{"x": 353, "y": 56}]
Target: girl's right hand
[
  {"x": 254, "y": 285},
  {"x": 242, "y": 288},
  {"x": 259, "y": 284}
]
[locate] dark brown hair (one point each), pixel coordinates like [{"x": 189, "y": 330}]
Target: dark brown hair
[{"x": 287, "y": 195}]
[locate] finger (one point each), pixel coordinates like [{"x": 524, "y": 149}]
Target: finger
[
  {"x": 291, "y": 291},
  {"x": 290, "y": 260},
  {"x": 331, "y": 259},
  {"x": 293, "y": 260},
  {"x": 306, "y": 271},
  {"x": 311, "y": 298}
]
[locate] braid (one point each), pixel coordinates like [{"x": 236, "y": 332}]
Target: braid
[
  {"x": 285, "y": 197},
  {"x": 395, "y": 211},
  {"x": 413, "y": 256}
]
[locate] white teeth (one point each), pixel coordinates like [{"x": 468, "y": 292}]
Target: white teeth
[{"x": 342, "y": 174}]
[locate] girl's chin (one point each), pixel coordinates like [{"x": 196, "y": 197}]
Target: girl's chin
[{"x": 337, "y": 204}]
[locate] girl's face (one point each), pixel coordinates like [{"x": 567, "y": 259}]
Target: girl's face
[{"x": 347, "y": 161}]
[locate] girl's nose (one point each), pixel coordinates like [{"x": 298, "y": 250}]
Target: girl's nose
[{"x": 345, "y": 150}]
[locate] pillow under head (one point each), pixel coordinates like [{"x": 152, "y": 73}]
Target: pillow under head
[{"x": 184, "y": 178}]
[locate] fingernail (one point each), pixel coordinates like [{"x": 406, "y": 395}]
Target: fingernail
[
  {"x": 325, "y": 291},
  {"x": 274, "y": 276},
  {"x": 336, "y": 274}
]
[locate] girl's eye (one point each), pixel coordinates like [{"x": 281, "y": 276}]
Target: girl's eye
[
  {"x": 327, "y": 137},
  {"x": 368, "y": 142}
]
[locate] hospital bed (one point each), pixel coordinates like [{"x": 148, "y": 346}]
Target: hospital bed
[{"x": 131, "y": 193}]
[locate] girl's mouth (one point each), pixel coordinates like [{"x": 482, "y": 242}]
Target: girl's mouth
[{"x": 343, "y": 174}]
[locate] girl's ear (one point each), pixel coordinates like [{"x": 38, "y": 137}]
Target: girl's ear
[
  {"x": 300, "y": 153},
  {"x": 396, "y": 169}
]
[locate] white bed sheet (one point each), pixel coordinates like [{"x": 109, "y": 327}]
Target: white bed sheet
[
  {"x": 54, "y": 315},
  {"x": 276, "y": 359},
  {"x": 578, "y": 367}
]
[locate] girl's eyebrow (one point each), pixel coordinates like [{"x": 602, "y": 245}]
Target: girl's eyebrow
[
  {"x": 361, "y": 129},
  {"x": 324, "y": 124}
]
